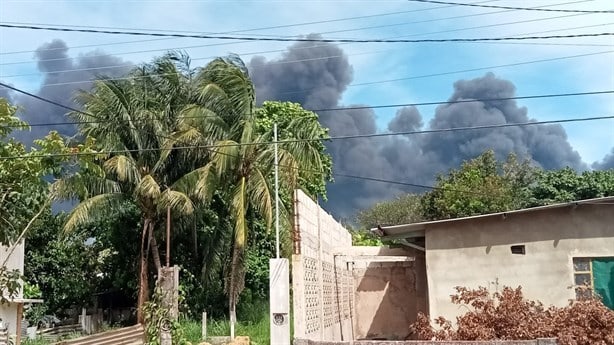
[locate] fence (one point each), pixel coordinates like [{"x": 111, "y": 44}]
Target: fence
[{"x": 322, "y": 285}]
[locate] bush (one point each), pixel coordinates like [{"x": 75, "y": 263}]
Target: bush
[{"x": 507, "y": 315}]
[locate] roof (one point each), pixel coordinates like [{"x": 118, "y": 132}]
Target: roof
[
  {"x": 19, "y": 300},
  {"x": 418, "y": 229}
]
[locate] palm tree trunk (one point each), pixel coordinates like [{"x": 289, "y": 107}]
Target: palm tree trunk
[
  {"x": 155, "y": 253},
  {"x": 143, "y": 284}
]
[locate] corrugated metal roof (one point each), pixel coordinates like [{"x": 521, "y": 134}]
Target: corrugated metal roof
[{"x": 417, "y": 229}]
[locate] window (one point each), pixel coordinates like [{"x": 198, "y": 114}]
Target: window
[
  {"x": 595, "y": 275},
  {"x": 518, "y": 250}
]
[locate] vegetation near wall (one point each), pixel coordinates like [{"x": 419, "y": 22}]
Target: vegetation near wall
[{"x": 507, "y": 315}]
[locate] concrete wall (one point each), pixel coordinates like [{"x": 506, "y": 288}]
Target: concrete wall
[
  {"x": 388, "y": 295},
  {"x": 477, "y": 252},
  {"x": 321, "y": 284}
]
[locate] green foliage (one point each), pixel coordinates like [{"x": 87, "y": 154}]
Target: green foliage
[
  {"x": 566, "y": 185},
  {"x": 63, "y": 267},
  {"x": 157, "y": 317},
  {"x": 9, "y": 283},
  {"x": 404, "y": 209},
  {"x": 253, "y": 321},
  {"x": 481, "y": 185},
  {"x": 261, "y": 246},
  {"x": 364, "y": 238},
  {"x": 290, "y": 117}
]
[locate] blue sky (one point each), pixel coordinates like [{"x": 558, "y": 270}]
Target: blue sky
[{"x": 371, "y": 62}]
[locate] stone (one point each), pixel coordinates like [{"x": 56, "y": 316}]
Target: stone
[{"x": 243, "y": 340}]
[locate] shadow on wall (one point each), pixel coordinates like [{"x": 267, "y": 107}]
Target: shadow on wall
[{"x": 387, "y": 299}]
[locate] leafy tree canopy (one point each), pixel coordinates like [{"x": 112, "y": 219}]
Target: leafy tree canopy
[{"x": 481, "y": 185}]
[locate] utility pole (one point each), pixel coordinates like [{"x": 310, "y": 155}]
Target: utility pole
[
  {"x": 276, "y": 192},
  {"x": 168, "y": 236},
  {"x": 279, "y": 285}
]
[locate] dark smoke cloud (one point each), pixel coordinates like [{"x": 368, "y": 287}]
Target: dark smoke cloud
[
  {"x": 607, "y": 162},
  {"x": 284, "y": 79},
  {"x": 63, "y": 76},
  {"x": 546, "y": 144},
  {"x": 407, "y": 119},
  {"x": 413, "y": 158}
]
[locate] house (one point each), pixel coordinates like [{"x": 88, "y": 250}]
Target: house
[
  {"x": 11, "y": 312},
  {"x": 548, "y": 250}
]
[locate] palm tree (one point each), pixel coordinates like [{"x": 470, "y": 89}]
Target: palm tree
[
  {"x": 241, "y": 162},
  {"x": 133, "y": 118}
]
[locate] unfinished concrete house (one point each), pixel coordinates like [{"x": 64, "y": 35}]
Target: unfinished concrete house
[
  {"x": 346, "y": 293},
  {"x": 548, "y": 250}
]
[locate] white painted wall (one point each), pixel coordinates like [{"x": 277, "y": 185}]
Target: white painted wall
[{"x": 8, "y": 312}]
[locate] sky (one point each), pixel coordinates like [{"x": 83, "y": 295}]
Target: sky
[{"x": 330, "y": 75}]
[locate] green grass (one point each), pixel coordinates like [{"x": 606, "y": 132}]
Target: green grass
[{"x": 253, "y": 321}]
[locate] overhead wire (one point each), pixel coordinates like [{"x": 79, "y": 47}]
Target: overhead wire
[
  {"x": 314, "y": 59},
  {"x": 251, "y": 29},
  {"x": 307, "y": 39},
  {"x": 321, "y": 33},
  {"x": 372, "y": 135},
  {"x": 571, "y": 94},
  {"x": 280, "y": 50},
  {"x": 515, "y": 8}
]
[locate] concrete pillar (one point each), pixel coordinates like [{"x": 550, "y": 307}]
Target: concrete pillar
[
  {"x": 168, "y": 284},
  {"x": 279, "y": 292}
]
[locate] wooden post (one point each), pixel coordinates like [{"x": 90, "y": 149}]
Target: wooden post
[
  {"x": 18, "y": 323},
  {"x": 203, "y": 333}
]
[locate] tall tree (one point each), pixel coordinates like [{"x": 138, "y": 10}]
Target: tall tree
[
  {"x": 481, "y": 185},
  {"x": 403, "y": 209},
  {"x": 131, "y": 119},
  {"x": 241, "y": 158},
  {"x": 567, "y": 185}
]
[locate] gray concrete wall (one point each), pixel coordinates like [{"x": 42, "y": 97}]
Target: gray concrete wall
[
  {"x": 388, "y": 295},
  {"x": 321, "y": 285},
  {"x": 477, "y": 252}
]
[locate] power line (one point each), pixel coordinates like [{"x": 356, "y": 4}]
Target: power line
[
  {"x": 238, "y": 31},
  {"x": 189, "y": 147},
  {"x": 513, "y": 8},
  {"x": 311, "y": 47},
  {"x": 573, "y": 94},
  {"x": 468, "y": 101},
  {"x": 322, "y": 58},
  {"x": 457, "y": 71},
  {"x": 304, "y": 39},
  {"x": 355, "y": 29}
]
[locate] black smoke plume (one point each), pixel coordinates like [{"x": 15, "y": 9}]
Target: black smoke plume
[
  {"x": 63, "y": 75},
  {"x": 304, "y": 74}
]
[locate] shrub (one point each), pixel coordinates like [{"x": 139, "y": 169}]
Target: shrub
[{"x": 507, "y": 315}]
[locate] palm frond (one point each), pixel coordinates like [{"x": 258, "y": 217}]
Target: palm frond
[
  {"x": 200, "y": 183},
  {"x": 82, "y": 187},
  {"x": 235, "y": 281},
  {"x": 148, "y": 188},
  {"x": 124, "y": 167},
  {"x": 178, "y": 201},
  {"x": 225, "y": 157},
  {"x": 259, "y": 195},
  {"x": 92, "y": 208}
]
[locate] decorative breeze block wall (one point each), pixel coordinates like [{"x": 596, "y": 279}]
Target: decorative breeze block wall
[{"x": 322, "y": 285}]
